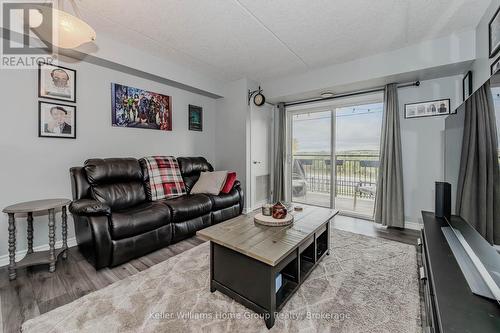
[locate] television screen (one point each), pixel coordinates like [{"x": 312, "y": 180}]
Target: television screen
[
  {"x": 471, "y": 158},
  {"x": 471, "y": 124}
]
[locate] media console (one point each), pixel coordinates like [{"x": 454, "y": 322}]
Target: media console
[{"x": 450, "y": 305}]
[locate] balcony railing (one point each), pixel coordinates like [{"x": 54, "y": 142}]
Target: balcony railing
[{"x": 351, "y": 170}]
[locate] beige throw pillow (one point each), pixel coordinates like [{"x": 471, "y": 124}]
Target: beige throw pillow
[{"x": 210, "y": 182}]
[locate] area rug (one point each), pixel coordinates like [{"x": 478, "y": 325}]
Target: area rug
[{"x": 365, "y": 285}]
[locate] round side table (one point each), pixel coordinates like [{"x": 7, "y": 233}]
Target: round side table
[{"x": 39, "y": 257}]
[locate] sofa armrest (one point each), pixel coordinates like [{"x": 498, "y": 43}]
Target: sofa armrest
[
  {"x": 101, "y": 243},
  {"x": 237, "y": 187},
  {"x": 88, "y": 207}
]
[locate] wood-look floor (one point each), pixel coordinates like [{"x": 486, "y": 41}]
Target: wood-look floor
[
  {"x": 36, "y": 291},
  {"x": 364, "y": 227}
]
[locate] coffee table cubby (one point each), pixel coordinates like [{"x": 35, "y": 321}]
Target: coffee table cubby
[{"x": 301, "y": 264}]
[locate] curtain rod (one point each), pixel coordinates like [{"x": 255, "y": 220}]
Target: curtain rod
[{"x": 349, "y": 94}]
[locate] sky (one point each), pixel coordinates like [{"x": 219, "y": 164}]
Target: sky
[{"x": 357, "y": 128}]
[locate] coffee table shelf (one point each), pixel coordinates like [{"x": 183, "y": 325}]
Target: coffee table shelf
[
  {"x": 285, "y": 292},
  {"x": 322, "y": 245},
  {"x": 305, "y": 267}
]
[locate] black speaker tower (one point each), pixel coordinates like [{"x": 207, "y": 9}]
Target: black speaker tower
[{"x": 443, "y": 200}]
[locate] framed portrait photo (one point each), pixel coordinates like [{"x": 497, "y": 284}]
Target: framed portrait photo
[
  {"x": 195, "y": 118},
  {"x": 467, "y": 85},
  {"x": 56, "y": 120},
  {"x": 494, "y": 34},
  {"x": 56, "y": 82},
  {"x": 495, "y": 66},
  {"x": 438, "y": 107}
]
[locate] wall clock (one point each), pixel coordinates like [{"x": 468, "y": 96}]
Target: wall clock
[{"x": 258, "y": 98}]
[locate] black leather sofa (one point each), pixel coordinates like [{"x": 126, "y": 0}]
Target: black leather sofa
[{"x": 115, "y": 219}]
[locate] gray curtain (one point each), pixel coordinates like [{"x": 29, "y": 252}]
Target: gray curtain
[
  {"x": 478, "y": 194},
  {"x": 389, "y": 204},
  {"x": 278, "y": 166}
]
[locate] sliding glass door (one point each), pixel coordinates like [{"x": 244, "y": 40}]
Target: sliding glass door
[
  {"x": 311, "y": 158},
  {"x": 340, "y": 143},
  {"x": 357, "y": 143}
]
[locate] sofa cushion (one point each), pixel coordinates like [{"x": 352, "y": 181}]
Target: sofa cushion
[
  {"x": 112, "y": 170},
  {"x": 162, "y": 177},
  {"x": 188, "y": 228},
  {"x": 119, "y": 195},
  {"x": 191, "y": 167},
  {"x": 224, "y": 200},
  {"x": 139, "y": 219},
  {"x": 189, "y": 207},
  {"x": 116, "y": 182},
  {"x": 225, "y": 214},
  {"x": 229, "y": 183},
  {"x": 141, "y": 244},
  {"x": 210, "y": 182}
]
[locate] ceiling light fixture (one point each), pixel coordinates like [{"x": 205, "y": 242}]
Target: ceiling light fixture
[
  {"x": 327, "y": 94},
  {"x": 68, "y": 31}
]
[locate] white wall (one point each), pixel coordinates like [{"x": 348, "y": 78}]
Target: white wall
[
  {"x": 481, "y": 67},
  {"x": 233, "y": 138},
  {"x": 107, "y": 48},
  {"x": 37, "y": 168},
  {"x": 422, "y": 141},
  {"x": 231, "y": 126}
]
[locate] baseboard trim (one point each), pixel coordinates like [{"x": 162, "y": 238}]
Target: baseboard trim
[
  {"x": 4, "y": 260},
  {"x": 413, "y": 225},
  {"x": 247, "y": 210}
]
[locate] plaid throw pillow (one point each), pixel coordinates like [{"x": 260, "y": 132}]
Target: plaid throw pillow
[{"x": 165, "y": 177}]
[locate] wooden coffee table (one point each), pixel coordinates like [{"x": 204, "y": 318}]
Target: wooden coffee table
[{"x": 246, "y": 258}]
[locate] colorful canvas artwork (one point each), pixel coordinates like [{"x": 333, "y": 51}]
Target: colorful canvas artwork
[{"x": 134, "y": 107}]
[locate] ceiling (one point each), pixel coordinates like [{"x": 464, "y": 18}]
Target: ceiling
[{"x": 261, "y": 39}]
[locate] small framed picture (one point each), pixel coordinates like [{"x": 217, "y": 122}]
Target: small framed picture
[
  {"x": 438, "y": 107},
  {"x": 494, "y": 34},
  {"x": 56, "y": 120},
  {"x": 195, "y": 118},
  {"x": 56, "y": 82},
  {"x": 467, "y": 85},
  {"x": 495, "y": 66}
]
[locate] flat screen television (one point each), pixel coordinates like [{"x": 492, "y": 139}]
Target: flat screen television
[{"x": 478, "y": 259}]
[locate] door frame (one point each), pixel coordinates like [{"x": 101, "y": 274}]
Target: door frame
[
  {"x": 332, "y": 106},
  {"x": 252, "y": 201}
]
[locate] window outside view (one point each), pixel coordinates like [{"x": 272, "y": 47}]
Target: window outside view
[{"x": 357, "y": 140}]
